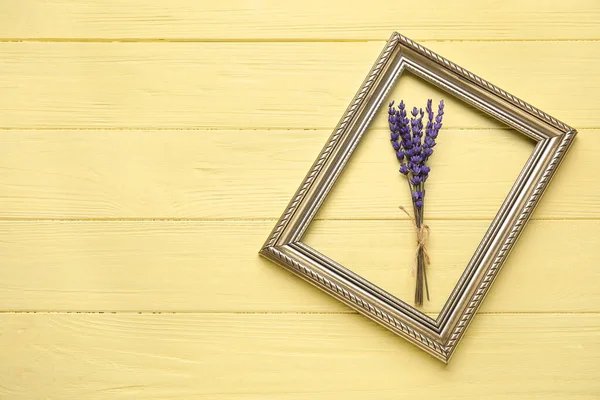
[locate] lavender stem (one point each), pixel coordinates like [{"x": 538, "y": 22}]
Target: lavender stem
[{"x": 422, "y": 215}]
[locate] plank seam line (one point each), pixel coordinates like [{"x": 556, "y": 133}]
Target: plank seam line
[
  {"x": 276, "y": 40},
  {"x": 87, "y": 312},
  {"x": 174, "y": 219},
  {"x": 143, "y": 129},
  {"x": 235, "y": 129}
]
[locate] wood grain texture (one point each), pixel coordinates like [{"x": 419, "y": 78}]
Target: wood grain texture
[
  {"x": 147, "y": 148},
  {"x": 268, "y": 85},
  {"x": 258, "y": 356},
  {"x": 285, "y": 20},
  {"x": 214, "y": 266},
  {"x": 250, "y": 175}
]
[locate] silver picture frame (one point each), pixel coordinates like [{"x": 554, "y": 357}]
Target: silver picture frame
[{"x": 439, "y": 337}]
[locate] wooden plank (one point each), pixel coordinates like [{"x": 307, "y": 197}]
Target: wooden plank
[
  {"x": 233, "y": 356},
  {"x": 214, "y": 266},
  {"x": 334, "y": 19},
  {"x": 268, "y": 85},
  {"x": 250, "y": 175}
]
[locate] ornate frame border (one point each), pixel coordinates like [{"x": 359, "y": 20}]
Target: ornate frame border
[{"x": 439, "y": 337}]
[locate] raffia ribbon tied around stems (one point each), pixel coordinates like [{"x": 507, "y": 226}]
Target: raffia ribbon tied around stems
[{"x": 421, "y": 257}]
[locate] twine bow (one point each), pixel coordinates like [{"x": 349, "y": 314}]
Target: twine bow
[
  {"x": 422, "y": 235},
  {"x": 419, "y": 267}
]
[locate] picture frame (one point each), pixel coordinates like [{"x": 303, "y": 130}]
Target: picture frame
[{"x": 440, "y": 336}]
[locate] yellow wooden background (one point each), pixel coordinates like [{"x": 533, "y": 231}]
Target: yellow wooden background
[{"x": 148, "y": 147}]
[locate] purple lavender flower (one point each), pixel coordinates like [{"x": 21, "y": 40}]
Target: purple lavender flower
[
  {"x": 416, "y": 157},
  {"x": 431, "y": 132},
  {"x": 418, "y": 198},
  {"x": 399, "y": 129},
  {"x": 400, "y": 155},
  {"x": 404, "y": 129},
  {"x": 412, "y": 148}
]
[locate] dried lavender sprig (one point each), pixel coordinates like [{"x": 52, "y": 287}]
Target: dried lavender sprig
[
  {"x": 399, "y": 130},
  {"x": 413, "y": 150},
  {"x": 394, "y": 131},
  {"x": 431, "y": 132}
]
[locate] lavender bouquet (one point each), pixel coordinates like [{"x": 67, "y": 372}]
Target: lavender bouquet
[{"x": 413, "y": 150}]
